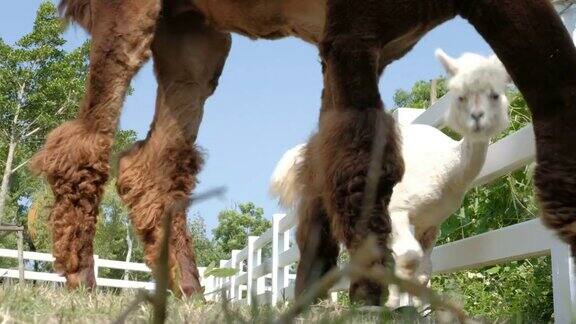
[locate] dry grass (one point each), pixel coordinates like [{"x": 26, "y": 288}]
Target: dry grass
[{"x": 49, "y": 304}]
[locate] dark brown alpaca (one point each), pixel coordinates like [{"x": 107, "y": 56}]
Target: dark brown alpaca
[{"x": 357, "y": 40}]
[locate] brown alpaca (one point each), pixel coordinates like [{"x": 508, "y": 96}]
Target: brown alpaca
[{"x": 357, "y": 40}]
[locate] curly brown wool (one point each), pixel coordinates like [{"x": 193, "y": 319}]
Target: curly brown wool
[{"x": 357, "y": 40}]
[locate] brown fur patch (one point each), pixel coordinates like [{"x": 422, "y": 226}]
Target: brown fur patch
[
  {"x": 78, "y": 11},
  {"x": 150, "y": 182},
  {"x": 319, "y": 250},
  {"x": 75, "y": 163},
  {"x": 361, "y": 38},
  {"x": 75, "y": 156}
]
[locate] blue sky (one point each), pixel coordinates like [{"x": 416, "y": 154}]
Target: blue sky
[{"x": 267, "y": 102}]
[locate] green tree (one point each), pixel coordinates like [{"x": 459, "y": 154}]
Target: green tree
[
  {"x": 207, "y": 251},
  {"x": 235, "y": 225},
  {"x": 419, "y": 95},
  {"x": 40, "y": 85}
]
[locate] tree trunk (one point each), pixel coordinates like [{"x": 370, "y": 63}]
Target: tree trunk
[
  {"x": 129, "y": 254},
  {"x": 5, "y": 186},
  {"x": 433, "y": 91}
]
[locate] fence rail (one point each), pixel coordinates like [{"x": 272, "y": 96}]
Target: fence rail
[{"x": 29, "y": 257}]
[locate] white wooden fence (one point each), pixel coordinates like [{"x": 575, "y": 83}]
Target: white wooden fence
[
  {"x": 520, "y": 241},
  {"x": 270, "y": 281},
  {"x": 98, "y": 264}
]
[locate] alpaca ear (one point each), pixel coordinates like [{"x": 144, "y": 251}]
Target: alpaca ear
[
  {"x": 449, "y": 63},
  {"x": 495, "y": 60}
]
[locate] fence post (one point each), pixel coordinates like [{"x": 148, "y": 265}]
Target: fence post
[
  {"x": 96, "y": 265},
  {"x": 563, "y": 283},
  {"x": 223, "y": 280},
  {"x": 234, "y": 265},
  {"x": 286, "y": 247},
  {"x": 260, "y": 281},
  {"x": 20, "y": 243},
  {"x": 277, "y": 248},
  {"x": 250, "y": 269},
  {"x": 241, "y": 272}
]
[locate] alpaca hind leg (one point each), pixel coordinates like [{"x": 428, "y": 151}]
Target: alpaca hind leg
[
  {"x": 159, "y": 173},
  {"x": 318, "y": 249},
  {"x": 550, "y": 91},
  {"x": 75, "y": 156}
]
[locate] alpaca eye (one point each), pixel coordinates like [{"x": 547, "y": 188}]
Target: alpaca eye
[
  {"x": 461, "y": 99},
  {"x": 494, "y": 96}
]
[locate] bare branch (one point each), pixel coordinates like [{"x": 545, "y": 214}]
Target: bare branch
[
  {"x": 230, "y": 316},
  {"x": 30, "y": 124},
  {"x": 19, "y": 166},
  {"x": 212, "y": 193},
  {"x": 359, "y": 268},
  {"x": 162, "y": 270},
  {"x": 367, "y": 252},
  {"x": 385, "y": 277},
  {"x": 142, "y": 296},
  {"x": 30, "y": 133}
]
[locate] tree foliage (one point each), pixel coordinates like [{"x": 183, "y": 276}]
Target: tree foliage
[
  {"x": 235, "y": 225},
  {"x": 419, "y": 95},
  {"x": 40, "y": 85},
  {"x": 207, "y": 251}
]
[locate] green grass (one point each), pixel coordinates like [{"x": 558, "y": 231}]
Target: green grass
[
  {"x": 484, "y": 293},
  {"x": 48, "y": 304}
]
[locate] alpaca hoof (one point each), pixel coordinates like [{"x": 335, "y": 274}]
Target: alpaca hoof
[
  {"x": 189, "y": 290},
  {"x": 407, "y": 314},
  {"x": 82, "y": 278},
  {"x": 366, "y": 293},
  {"x": 407, "y": 263}
]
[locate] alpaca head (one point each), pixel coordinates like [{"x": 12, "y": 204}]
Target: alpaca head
[{"x": 479, "y": 107}]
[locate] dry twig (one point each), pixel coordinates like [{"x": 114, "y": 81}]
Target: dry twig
[{"x": 159, "y": 298}]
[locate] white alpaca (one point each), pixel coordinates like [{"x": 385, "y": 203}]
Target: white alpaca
[{"x": 439, "y": 170}]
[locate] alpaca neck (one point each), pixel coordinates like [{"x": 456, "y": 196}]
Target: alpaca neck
[{"x": 472, "y": 158}]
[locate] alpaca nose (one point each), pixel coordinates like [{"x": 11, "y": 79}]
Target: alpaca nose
[{"x": 477, "y": 115}]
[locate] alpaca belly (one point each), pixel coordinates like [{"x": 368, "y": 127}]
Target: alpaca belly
[
  {"x": 426, "y": 208},
  {"x": 434, "y": 214},
  {"x": 269, "y": 19}
]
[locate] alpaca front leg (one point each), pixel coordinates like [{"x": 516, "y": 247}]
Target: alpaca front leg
[
  {"x": 359, "y": 156},
  {"x": 550, "y": 91},
  {"x": 158, "y": 174},
  {"x": 423, "y": 274},
  {"x": 318, "y": 248},
  {"x": 406, "y": 251},
  {"x": 75, "y": 156},
  {"x": 405, "y": 247}
]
